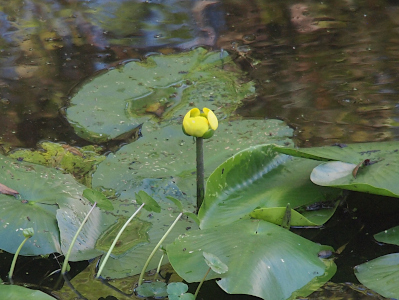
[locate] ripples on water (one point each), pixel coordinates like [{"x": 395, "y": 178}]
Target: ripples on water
[{"x": 328, "y": 69}]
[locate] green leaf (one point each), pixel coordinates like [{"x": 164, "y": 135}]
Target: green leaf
[
  {"x": 379, "y": 178},
  {"x": 261, "y": 177},
  {"x": 150, "y": 203},
  {"x": 121, "y": 99},
  {"x": 380, "y": 166},
  {"x": 381, "y": 275},
  {"x": 176, "y": 202},
  {"x": 177, "y": 288},
  {"x": 350, "y": 153},
  {"x": 96, "y": 196},
  {"x": 132, "y": 261},
  {"x": 215, "y": 263},
  {"x": 14, "y": 292},
  {"x": 166, "y": 153},
  {"x": 263, "y": 259},
  {"x": 155, "y": 289},
  {"x": 276, "y": 215},
  {"x": 389, "y": 236},
  {"x": 52, "y": 204}
]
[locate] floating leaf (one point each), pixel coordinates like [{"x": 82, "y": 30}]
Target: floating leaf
[
  {"x": 52, "y": 204},
  {"x": 96, "y": 196},
  {"x": 150, "y": 203},
  {"x": 155, "y": 289},
  {"x": 215, "y": 263},
  {"x": 260, "y": 177},
  {"x": 8, "y": 292},
  {"x": 380, "y": 166},
  {"x": 377, "y": 179},
  {"x": 381, "y": 275},
  {"x": 164, "y": 152},
  {"x": 389, "y": 236},
  {"x": 119, "y": 100},
  {"x": 276, "y": 215},
  {"x": 263, "y": 259}
]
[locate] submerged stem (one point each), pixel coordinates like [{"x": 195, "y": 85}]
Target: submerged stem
[
  {"x": 65, "y": 263},
  {"x": 156, "y": 248},
  {"x": 200, "y": 171},
  {"x": 116, "y": 240}
]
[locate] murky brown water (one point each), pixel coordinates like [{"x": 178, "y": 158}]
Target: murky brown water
[{"x": 330, "y": 69}]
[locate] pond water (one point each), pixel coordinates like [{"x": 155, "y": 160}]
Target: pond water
[{"x": 329, "y": 69}]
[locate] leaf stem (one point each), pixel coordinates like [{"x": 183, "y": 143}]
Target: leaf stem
[
  {"x": 200, "y": 284},
  {"x": 200, "y": 172},
  {"x": 65, "y": 263},
  {"x": 156, "y": 249},
  {"x": 116, "y": 240},
  {"x": 14, "y": 261}
]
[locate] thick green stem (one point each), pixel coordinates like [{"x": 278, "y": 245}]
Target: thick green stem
[
  {"x": 65, "y": 263},
  {"x": 156, "y": 249},
  {"x": 116, "y": 240},
  {"x": 200, "y": 284},
  {"x": 14, "y": 261},
  {"x": 200, "y": 172}
]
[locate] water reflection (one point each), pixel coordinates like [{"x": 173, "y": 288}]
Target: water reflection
[{"x": 329, "y": 69}]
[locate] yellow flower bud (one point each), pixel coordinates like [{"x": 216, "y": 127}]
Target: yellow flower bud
[{"x": 199, "y": 124}]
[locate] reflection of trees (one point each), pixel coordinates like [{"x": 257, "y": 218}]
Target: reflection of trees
[
  {"x": 328, "y": 69},
  {"x": 47, "y": 47}
]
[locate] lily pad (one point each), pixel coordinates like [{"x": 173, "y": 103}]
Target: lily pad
[
  {"x": 52, "y": 204},
  {"x": 263, "y": 259},
  {"x": 363, "y": 167},
  {"x": 215, "y": 263},
  {"x": 259, "y": 177},
  {"x": 389, "y": 236},
  {"x": 10, "y": 292},
  {"x": 121, "y": 99},
  {"x": 381, "y": 275},
  {"x": 132, "y": 261},
  {"x": 165, "y": 152}
]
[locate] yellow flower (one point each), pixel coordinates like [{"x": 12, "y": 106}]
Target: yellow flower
[{"x": 199, "y": 124}]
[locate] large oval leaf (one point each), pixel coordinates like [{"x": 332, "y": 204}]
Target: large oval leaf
[
  {"x": 165, "y": 152},
  {"x": 260, "y": 177},
  {"x": 164, "y": 86},
  {"x": 263, "y": 259}
]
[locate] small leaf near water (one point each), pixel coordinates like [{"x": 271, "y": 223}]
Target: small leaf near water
[
  {"x": 215, "y": 263},
  {"x": 152, "y": 289},
  {"x": 7, "y": 191},
  {"x": 96, "y": 196},
  {"x": 150, "y": 203}
]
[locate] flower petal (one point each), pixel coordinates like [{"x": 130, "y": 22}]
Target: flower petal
[
  {"x": 212, "y": 119},
  {"x": 196, "y": 126}
]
